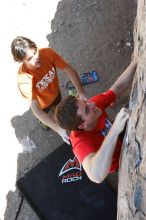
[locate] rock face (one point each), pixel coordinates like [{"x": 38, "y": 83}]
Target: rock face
[{"x": 132, "y": 173}]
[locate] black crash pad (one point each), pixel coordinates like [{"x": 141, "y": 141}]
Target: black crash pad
[{"x": 58, "y": 189}]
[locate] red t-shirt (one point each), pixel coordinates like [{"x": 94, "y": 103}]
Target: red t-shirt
[{"x": 86, "y": 142}]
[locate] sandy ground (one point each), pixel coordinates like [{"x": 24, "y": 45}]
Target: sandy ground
[{"x": 90, "y": 34}]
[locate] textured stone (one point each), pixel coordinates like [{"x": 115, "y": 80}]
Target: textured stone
[{"x": 132, "y": 173}]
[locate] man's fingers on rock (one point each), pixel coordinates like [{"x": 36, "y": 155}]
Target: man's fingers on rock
[
  {"x": 125, "y": 112},
  {"x": 125, "y": 116},
  {"x": 128, "y": 111}
]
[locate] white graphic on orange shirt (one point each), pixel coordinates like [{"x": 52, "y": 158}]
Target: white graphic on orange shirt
[{"x": 46, "y": 80}]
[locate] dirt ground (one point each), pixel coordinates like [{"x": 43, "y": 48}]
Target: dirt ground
[{"x": 90, "y": 35}]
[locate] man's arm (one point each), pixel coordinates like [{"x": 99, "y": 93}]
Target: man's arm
[
  {"x": 47, "y": 120},
  {"x": 97, "y": 165},
  {"x": 125, "y": 80},
  {"x": 74, "y": 77}
]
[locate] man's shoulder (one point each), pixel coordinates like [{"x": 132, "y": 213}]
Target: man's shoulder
[
  {"x": 97, "y": 99},
  {"x": 98, "y": 96},
  {"x": 78, "y": 137},
  {"x": 103, "y": 99},
  {"x": 83, "y": 144},
  {"x": 77, "y": 133}
]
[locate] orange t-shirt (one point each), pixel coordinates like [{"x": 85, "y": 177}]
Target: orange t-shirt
[{"x": 42, "y": 83}]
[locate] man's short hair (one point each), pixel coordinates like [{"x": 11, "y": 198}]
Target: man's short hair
[
  {"x": 66, "y": 114},
  {"x": 19, "y": 47}
]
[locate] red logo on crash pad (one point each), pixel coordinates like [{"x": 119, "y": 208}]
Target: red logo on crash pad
[{"x": 70, "y": 165}]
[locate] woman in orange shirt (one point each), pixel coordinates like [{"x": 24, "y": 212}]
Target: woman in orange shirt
[{"x": 38, "y": 80}]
